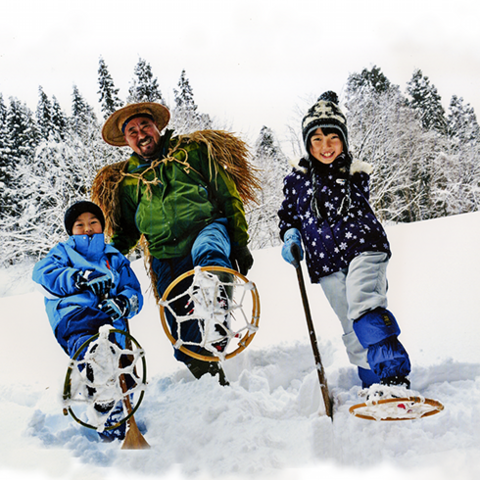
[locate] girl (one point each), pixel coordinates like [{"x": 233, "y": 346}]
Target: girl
[{"x": 326, "y": 208}]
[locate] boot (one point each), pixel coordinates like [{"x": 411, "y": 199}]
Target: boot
[
  {"x": 199, "y": 368},
  {"x": 396, "y": 381}
]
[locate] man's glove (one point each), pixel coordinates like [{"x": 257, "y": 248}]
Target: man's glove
[
  {"x": 97, "y": 282},
  {"x": 244, "y": 259},
  {"x": 292, "y": 239},
  {"x": 115, "y": 308}
]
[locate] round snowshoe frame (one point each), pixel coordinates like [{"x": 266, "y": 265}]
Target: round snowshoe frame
[
  {"x": 67, "y": 395},
  {"x": 252, "y": 324},
  {"x": 396, "y": 409}
]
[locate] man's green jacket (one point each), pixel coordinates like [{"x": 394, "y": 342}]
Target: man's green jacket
[{"x": 172, "y": 199}]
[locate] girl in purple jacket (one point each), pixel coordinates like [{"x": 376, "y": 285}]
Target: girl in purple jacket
[{"x": 326, "y": 209}]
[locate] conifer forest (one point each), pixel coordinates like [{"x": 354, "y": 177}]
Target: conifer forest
[{"x": 425, "y": 158}]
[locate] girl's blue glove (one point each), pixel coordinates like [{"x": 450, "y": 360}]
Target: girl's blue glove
[{"x": 292, "y": 238}]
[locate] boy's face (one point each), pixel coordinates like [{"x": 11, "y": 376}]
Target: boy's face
[
  {"x": 86, "y": 224},
  {"x": 325, "y": 148}
]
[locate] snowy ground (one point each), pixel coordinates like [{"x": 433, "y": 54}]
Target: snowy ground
[{"x": 267, "y": 423}]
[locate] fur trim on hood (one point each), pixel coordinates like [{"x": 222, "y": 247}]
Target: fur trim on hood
[
  {"x": 358, "y": 166},
  {"x": 295, "y": 164}
]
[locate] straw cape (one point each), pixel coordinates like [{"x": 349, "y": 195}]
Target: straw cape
[{"x": 225, "y": 151}]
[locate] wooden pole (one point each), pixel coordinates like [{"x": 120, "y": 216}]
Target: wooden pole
[
  {"x": 134, "y": 440},
  {"x": 313, "y": 339}
]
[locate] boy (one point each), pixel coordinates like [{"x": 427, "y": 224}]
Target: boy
[
  {"x": 87, "y": 283},
  {"x": 326, "y": 207}
]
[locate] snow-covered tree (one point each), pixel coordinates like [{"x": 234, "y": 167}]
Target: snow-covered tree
[
  {"x": 385, "y": 131},
  {"x": 60, "y": 173},
  {"x": 185, "y": 115},
  {"x": 44, "y": 115},
  {"x": 426, "y": 101},
  {"x": 5, "y": 167},
  {"x": 83, "y": 117},
  {"x": 109, "y": 99},
  {"x": 18, "y": 144},
  {"x": 184, "y": 95},
  {"x": 46, "y": 187},
  {"x": 59, "y": 121},
  {"x": 272, "y": 168},
  {"x": 462, "y": 191},
  {"x": 462, "y": 123},
  {"x": 369, "y": 81},
  {"x": 144, "y": 87}
]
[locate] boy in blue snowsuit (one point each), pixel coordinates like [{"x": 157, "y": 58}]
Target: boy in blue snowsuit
[
  {"x": 326, "y": 208},
  {"x": 87, "y": 283}
]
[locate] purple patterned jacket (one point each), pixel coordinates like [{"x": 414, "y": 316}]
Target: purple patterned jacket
[{"x": 331, "y": 239}]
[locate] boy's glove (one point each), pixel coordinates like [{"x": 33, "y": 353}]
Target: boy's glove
[
  {"x": 97, "y": 282},
  {"x": 115, "y": 308},
  {"x": 244, "y": 259},
  {"x": 292, "y": 238}
]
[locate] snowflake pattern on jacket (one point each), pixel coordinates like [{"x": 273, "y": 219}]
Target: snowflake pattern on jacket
[{"x": 331, "y": 240}]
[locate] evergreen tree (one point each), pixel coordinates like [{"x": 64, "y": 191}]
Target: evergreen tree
[
  {"x": 185, "y": 117},
  {"x": 19, "y": 140},
  {"x": 426, "y": 101},
  {"x": 109, "y": 100},
  {"x": 272, "y": 168},
  {"x": 184, "y": 96},
  {"x": 374, "y": 81},
  {"x": 144, "y": 88},
  {"x": 59, "y": 121},
  {"x": 462, "y": 122},
  {"x": 462, "y": 192},
  {"x": 21, "y": 137},
  {"x": 83, "y": 117},
  {"x": 4, "y": 163},
  {"x": 44, "y": 115}
]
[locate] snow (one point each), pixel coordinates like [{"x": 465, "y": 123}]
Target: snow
[{"x": 268, "y": 422}]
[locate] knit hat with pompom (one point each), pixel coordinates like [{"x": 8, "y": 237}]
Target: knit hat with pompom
[{"x": 325, "y": 114}]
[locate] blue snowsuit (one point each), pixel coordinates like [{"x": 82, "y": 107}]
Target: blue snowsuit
[{"x": 74, "y": 315}]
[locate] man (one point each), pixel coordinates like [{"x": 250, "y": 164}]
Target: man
[{"x": 185, "y": 202}]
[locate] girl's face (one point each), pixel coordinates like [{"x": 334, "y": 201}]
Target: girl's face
[
  {"x": 325, "y": 148},
  {"x": 86, "y": 224}
]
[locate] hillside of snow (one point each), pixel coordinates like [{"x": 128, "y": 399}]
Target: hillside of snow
[{"x": 268, "y": 422}]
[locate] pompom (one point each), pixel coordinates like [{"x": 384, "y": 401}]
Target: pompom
[{"x": 329, "y": 97}]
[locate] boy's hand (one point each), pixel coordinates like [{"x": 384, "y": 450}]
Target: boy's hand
[
  {"x": 115, "y": 308},
  {"x": 97, "y": 282},
  {"x": 292, "y": 238}
]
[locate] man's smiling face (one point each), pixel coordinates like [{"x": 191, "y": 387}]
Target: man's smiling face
[{"x": 143, "y": 137}]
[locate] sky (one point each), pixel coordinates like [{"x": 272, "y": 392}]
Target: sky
[{"x": 250, "y": 62}]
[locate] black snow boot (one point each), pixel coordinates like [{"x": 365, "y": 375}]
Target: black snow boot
[
  {"x": 396, "y": 381},
  {"x": 199, "y": 368}
]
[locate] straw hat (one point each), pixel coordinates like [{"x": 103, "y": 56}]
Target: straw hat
[{"x": 112, "y": 130}]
